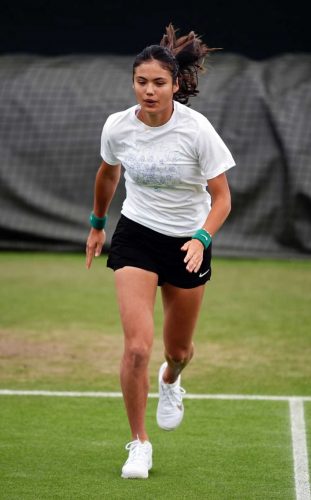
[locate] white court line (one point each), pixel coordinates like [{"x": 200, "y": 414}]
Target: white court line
[
  {"x": 299, "y": 442},
  {"x": 300, "y": 451},
  {"x": 100, "y": 394}
]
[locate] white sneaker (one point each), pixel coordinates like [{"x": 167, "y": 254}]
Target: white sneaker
[
  {"x": 139, "y": 461},
  {"x": 170, "y": 410}
]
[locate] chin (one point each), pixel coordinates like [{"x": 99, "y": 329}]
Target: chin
[{"x": 150, "y": 111}]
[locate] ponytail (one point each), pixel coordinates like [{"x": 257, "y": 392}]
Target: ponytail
[
  {"x": 183, "y": 57},
  {"x": 190, "y": 53}
]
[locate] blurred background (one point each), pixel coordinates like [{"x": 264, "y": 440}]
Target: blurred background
[{"x": 65, "y": 66}]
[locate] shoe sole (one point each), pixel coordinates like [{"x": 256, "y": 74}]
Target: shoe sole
[
  {"x": 168, "y": 429},
  {"x": 134, "y": 476}
]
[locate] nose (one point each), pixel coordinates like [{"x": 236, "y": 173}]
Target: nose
[{"x": 149, "y": 89}]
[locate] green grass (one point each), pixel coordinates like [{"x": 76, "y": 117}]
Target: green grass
[
  {"x": 72, "y": 449},
  {"x": 59, "y": 326},
  {"x": 60, "y": 330}
]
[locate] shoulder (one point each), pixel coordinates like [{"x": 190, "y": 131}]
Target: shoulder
[
  {"x": 115, "y": 119},
  {"x": 194, "y": 118}
]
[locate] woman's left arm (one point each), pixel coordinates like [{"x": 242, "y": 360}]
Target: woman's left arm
[
  {"x": 221, "y": 203},
  {"x": 221, "y": 206}
]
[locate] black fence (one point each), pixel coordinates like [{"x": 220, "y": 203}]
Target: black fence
[{"x": 52, "y": 110}]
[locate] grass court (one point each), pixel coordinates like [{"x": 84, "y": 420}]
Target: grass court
[{"x": 60, "y": 331}]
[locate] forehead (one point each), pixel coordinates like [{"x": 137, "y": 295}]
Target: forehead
[{"x": 152, "y": 69}]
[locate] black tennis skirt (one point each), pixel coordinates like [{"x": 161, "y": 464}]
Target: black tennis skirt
[{"x": 135, "y": 245}]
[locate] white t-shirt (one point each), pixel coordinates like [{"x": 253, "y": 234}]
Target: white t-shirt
[{"x": 166, "y": 167}]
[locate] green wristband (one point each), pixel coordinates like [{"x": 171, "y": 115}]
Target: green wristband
[
  {"x": 203, "y": 236},
  {"x": 98, "y": 222}
]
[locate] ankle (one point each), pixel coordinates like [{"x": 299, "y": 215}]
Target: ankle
[
  {"x": 171, "y": 373},
  {"x": 169, "y": 377},
  {"x": 142, "y": 437}
]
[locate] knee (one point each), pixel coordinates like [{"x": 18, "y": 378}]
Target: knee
[{"x": 137, "y": 356}]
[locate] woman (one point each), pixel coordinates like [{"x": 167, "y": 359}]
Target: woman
[{"x": 163, "y": 238}]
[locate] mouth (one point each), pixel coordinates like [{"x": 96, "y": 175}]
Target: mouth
[{"x": 149, "y": 102}]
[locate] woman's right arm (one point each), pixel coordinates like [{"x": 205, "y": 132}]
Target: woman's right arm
[{"x": 107, "y": 179}]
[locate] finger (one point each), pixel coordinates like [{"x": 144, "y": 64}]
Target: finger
[
  {"x": 98, "y": 249},
  {"x": 185, "y": 246},
  {"x": 89, "y": 256},
  {"x": 194, "y": 263},
  {"x": 197, "y": 267},
  {"x": 188, "y": 257},
  {"x": 89, "y": 261},
  {"x": 193, "y": 266},
  {"x": 191, "y": 262}
]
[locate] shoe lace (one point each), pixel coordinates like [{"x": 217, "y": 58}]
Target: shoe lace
[
  {"x": 135, "y": 449},
  {"x": 173, "y": 395}
]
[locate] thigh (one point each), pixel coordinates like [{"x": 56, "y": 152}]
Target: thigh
[
  {"x": 136, "y": 293},
  {"x": 132, "y": 245},
  {"x": 181, "y": 310}
]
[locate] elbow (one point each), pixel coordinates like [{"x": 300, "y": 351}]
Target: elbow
[
  {"x": 107, "y": 173},
  {"x": 229, "y": 206}
]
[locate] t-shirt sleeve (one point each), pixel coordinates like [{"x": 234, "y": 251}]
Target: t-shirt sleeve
[
  {"x": 214, "y": 156},
  {"x": 106, "y": 149}
]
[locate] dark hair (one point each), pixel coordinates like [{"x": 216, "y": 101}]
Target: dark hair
[{"x": 183, "y": 57}]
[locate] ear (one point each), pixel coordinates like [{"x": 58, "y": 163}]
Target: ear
[{"x": 175, "y": 87}]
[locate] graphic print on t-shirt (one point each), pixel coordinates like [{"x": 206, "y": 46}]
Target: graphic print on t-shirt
[
  {"x": 166, "y": 167},
  {"x": 153, "y": 164}
]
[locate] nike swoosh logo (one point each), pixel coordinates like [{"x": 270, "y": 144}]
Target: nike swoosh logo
[{"x": 203, "y": 274}]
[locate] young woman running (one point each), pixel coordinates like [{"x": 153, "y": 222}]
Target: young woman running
[{"x": 171, "y": 155}]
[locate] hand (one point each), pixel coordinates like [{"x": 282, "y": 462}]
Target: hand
[
  {"x": 94, "y": 245},
  {"x": 194, "y": 255}
]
